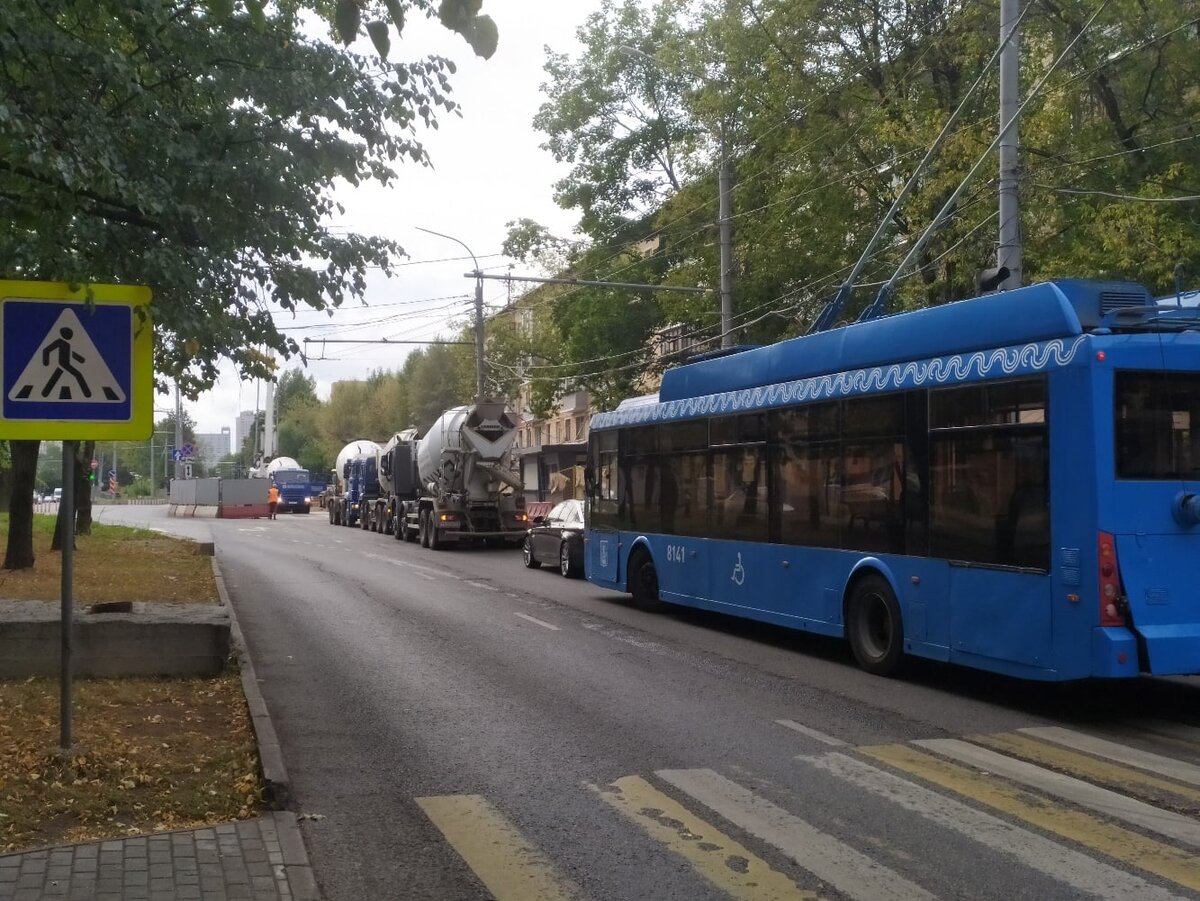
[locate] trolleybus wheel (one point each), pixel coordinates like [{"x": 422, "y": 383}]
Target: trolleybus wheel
[
  {"x": 643, "y": 581},
  {"x": 874, "y": 626},
  {"x": 531, "y": 562}
]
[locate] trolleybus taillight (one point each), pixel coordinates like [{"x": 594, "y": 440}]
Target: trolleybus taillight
[{"x": 1111, "y": 604}]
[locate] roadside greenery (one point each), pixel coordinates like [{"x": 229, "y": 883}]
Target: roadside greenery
[
  {"x": 826, "y": 109},
  {"x": 194, "y": 148}
]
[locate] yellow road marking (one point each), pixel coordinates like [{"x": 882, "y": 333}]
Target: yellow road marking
[
  {"x": 510, "y": 867},
  {"x": 1092, "y": 832},
  {"x": 1115, "y": 776},
  {"x": 718, "y": 858}
]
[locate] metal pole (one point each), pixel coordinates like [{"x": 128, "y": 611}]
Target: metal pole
[
  {"x": 152, "y": 466},
  {"x": 725, "y": 223},
  {"x": 479, "y": 385},
  {"x": 178, "y": 432},
  {"x": 1009, "y": 252},
  {"x": 479, "y": 339},
  {"x": 67, "y": 616}
]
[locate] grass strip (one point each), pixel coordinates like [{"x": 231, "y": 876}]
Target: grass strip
[{"x": 113, "y": 563}]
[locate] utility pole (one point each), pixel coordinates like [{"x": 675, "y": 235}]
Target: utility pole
[
  {"x": 178, "y": 432},
  {"x": 1009, "y": 251},
  {"x": 477, "y": 274},
  {"x": 724, "y": 212}
]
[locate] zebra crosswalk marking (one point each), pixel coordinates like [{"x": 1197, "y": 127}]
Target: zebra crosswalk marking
[
  {"x": 1055, "y": 757},
  {"x": 1187, "y": 735},
  {"x": 830, "y": 860},
  {"x": 1114, "y": 841},
  {"x": 1102, "y": 800},
  {"x": 510, "y": 867},
  {"x": 1111, "y": 750},
  {"x": 1056, "y": 860},
  {"x": 717, "y": 857}
]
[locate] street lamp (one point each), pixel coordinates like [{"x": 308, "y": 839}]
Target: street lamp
[
  {"x": 478, "y": 273},
  {"x": 724, "y": 205}
]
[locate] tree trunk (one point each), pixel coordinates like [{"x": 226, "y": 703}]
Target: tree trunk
[
  {"x": 83, "y": 488},
  {"x": 19, "y": 554}
]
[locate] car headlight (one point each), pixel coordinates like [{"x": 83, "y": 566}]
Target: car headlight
[{"x": 308, "y": 500}]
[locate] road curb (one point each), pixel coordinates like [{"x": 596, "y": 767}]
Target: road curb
[
  {"x": 279, "y": 791},
  {"x": 279, "y": 788}
]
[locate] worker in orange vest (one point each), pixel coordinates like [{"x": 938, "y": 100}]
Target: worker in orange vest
[{"x": 272, "y": 501}]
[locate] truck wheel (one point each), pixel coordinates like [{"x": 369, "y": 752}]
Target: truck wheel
[
  {"x": 331, "y": 522},
  {"x": 436, "y": 542},
  {"x": 874, "y": 626},
  {"x": 397, "y": 526},
  {"x": 531, "y": 562},
  {"x": 307, "y": 509},
  {"x": 423, "y": 529}
]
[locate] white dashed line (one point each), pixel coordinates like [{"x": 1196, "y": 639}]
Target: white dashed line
[
  {"x": 812, "y": 733},
  {"x": 536, "y": 621}
]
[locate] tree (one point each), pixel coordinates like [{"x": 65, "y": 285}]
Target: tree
[
  {"x": 151, "y": 142},
  {"x": 294, "y": 389},
  {"x": 615, "y": 118}
]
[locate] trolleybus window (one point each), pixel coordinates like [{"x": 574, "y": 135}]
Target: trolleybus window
[
  {"x": 989, "y": 474},
  {"x": 1158, "y": 425}
]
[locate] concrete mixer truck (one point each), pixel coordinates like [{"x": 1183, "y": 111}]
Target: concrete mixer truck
[
  {"x": 296, "y": 485},
  {"x": 468, "y": 490},
  {"x": 354, "y": 482}
]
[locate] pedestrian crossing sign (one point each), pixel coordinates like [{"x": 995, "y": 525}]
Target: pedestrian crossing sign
[{"x": 77, "y": 363}]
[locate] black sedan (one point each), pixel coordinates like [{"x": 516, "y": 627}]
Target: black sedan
[{"x": 558, "y": 538}]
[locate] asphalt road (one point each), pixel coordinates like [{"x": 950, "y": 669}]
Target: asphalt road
[{"x": 459, "y": 727}]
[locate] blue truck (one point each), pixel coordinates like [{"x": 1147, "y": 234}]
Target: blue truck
[
  {"x": 297, "y": 490},
  {"x": 360, "y": 478}
]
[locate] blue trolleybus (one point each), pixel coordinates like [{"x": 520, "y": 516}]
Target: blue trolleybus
[{"x": 1010, "y": 483}]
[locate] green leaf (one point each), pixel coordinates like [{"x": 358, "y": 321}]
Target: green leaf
[
  {"x": 258, "y": 18},
  {"x": 483, "y": 36},
  {"x": 379, "y": 37},
  {"x": 220, "y": 9},
  {"x": 396, "y": 11},
  {"x": 347, "y": 18}
]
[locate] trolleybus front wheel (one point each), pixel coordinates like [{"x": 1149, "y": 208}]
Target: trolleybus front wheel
[
  {"x": 643, "y": 581},
  {"x": 874, "y": 626}
]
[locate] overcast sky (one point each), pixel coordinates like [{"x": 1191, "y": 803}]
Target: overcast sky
[{"x": 488, "y": 168}]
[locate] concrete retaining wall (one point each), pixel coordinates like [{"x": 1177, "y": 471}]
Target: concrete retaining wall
[
  {"x": 244, "y": 491},
  {"x": 155, "y": 639}
]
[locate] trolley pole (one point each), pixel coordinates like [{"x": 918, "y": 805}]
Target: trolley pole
[{"x": 1009, "y": 250}]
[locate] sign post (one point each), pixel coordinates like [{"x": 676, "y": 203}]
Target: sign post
[{"x": 75, "y": 364}]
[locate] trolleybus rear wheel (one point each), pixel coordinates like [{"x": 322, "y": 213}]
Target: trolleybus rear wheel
[{"x": 874, "y": 626}]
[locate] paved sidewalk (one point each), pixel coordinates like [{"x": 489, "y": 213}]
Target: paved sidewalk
[{"x": 253, "y": 860}]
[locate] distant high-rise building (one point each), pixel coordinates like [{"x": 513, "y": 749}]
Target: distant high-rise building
[
  {"x": 245, "y": 425},
  {"x": 212, "y": 446}
]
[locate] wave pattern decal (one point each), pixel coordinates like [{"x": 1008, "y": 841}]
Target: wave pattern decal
[{"x": 984, "y": 364}]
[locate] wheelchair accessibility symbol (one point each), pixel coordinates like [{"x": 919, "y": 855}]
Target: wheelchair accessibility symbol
[{"x": 739, "y": 572}]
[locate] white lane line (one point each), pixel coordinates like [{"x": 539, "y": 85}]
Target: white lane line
[
  {"x": 812, "y": 733},
  {"x": 1083, "y": 873},
  {"x": 481, "y": 585},
  {"x": 1109, "y": 803},
  {"x": 542, "y": 623},
  {"x": 1099, "y": 747},
  {"x": 413, "y": 566},
  {"x": 830, "y": 860}
]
